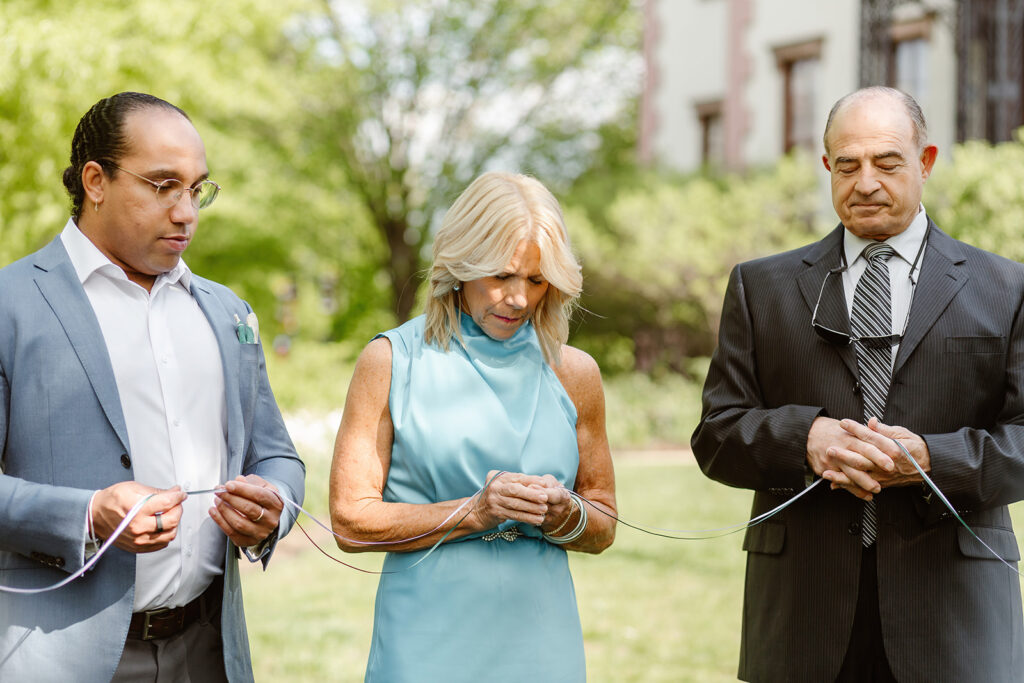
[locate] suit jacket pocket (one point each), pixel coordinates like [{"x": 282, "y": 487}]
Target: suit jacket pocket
[
  {"x": 975, "y": 344},
  {"x": 999, "y": 539},
  {"x": 766, "y": 537}
]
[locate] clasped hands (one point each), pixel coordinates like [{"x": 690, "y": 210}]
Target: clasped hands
[
  {"x": 540, "y": 501},
  {"x": 862, "y": 459},
  {"x": 247, "y": 511}
]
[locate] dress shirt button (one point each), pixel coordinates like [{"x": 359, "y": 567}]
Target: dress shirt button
[
  {"x": 854, "y": 528},
  {"x": 177, "y": 423},
  {"x": 126, "y": 462}
]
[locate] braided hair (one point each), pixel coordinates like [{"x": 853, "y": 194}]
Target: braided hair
[{"x": 100, "y": 137}]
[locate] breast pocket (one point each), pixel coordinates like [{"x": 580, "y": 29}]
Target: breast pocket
[{"x": 985, "y": 345}]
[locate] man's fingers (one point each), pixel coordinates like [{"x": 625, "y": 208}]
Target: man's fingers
[
  {"x": 838, "y": 480},
  {"x": 875, "y": 446},
  {"x": 262, "y": 495}
]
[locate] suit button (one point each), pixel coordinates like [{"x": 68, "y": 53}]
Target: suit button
[
  {"x": 854, "y": 528},
  {"x": 126, "y": 462}
]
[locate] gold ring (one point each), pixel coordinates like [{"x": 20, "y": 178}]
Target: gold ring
[
  {"x": 159, "y": 522},
  {"x": 262, "y": 510}
]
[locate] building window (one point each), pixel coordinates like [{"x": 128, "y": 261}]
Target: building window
[
  {"x": 712, "y": 133},
  {"x": 908, "y": 58},
  {"x": 990, "y": 70},
  {"x": 800, "y": 67}
]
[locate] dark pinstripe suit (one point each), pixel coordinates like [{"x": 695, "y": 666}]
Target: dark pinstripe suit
[{"x": 949, "y": 611}]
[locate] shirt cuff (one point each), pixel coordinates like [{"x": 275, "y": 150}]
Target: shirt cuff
[
  {"x": 92, "y": 544},
  {"x": 255, "y": 552}
]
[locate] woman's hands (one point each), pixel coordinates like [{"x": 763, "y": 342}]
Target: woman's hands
[{"x": 540, "y": 501}]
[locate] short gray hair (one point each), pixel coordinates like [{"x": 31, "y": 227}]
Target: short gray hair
[{"x": 909, "y": 103}]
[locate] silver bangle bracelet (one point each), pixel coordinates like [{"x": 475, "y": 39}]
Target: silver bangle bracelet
[
  {"x": 573, "y": 505},
  {"x": 581, "y": 526}
]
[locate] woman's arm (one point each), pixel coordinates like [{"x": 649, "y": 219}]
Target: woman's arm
[
  {"x": 595, "y": 478},
  {"x": 362, "y": 456}
]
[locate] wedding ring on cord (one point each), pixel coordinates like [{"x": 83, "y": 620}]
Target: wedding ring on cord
[{"x": 159, "y": 522}]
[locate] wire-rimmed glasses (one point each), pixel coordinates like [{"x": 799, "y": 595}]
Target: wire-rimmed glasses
[
  {"x": 844, "y": 339},
  {"x": 170, "y": 190}
]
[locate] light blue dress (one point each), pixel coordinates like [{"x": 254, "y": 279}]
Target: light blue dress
[{"x": 476, "y": 610}]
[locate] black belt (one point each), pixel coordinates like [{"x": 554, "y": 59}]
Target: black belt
[{"x": 170, "y": 621}]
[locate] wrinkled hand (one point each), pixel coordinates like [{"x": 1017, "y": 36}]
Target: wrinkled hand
[
  {"x": 513, "y": 496},
  {"x": 559, "y": 504},
  {"x": 880, "y": 437},
  {"x": 248, "y": 510},
  {"x": 110, "y": 505},
  {"x": 842, "y": 457}
]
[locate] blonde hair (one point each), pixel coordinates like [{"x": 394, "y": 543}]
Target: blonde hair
[{"x": 477, "y": 239}]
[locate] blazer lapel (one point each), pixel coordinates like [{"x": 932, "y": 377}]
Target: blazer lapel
[
  {"x": 941, "y": 278},
  {"x": 224, "y": 330},
  {"x": 820, "y": 259},
  {"x": 59, "y": 285}
]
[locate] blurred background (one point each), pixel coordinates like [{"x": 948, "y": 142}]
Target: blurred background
[{"x": 680, "y": 136}]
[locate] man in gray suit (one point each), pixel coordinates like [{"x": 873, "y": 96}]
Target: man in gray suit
[
  {"x": 122, "y": 374},
  {"x": 822, "y": 350}
]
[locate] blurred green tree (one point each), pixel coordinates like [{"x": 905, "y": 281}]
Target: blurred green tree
[
  {"x": 657, "y": 254},
  {"x": 418, "y": 98},
  {"x": 977, "y": 196},
  {"x": 279, "y": 233}
]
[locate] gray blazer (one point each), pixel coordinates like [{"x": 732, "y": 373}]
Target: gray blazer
[
  {"x": 63, "y": 435},
  {"x": 950, "y": 612}
]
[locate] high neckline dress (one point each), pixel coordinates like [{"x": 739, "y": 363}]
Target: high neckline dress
[{"x": 476, "y": 610}]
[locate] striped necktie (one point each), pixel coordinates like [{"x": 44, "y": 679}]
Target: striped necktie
[{"x": 871, "y": 316}]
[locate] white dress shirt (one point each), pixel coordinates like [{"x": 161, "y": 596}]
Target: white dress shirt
[
  {"x": 170, "y": 380},
  {"x": 902, "y": 282}
]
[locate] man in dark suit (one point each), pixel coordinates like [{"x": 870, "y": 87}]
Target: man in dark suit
[
  {"x": 821, "y": 352},
  {"x": 123, "y": 374}
]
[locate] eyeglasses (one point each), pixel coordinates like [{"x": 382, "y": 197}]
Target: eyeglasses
[
  {"x": 842, "y": 338},
  {"x": 883, "y": 342},
  {"x": 170, "y": 191}
]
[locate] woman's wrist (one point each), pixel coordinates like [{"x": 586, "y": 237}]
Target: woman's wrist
[
  {"x": 577, "y": 531},
  {"x": 572, "y": 509}
]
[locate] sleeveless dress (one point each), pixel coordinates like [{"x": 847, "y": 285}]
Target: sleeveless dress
[{"x": 476, "y": 610}]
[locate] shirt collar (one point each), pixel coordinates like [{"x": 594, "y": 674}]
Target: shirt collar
[
  {"x": 906, "y": 244},
  {"x": 87, "y": 259}
]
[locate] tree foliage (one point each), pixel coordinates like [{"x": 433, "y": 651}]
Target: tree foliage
[
  {"x": 656, "y": 258},
  {"x": 278, "y": 233},
  {"x": 978, "y": 197},
  {"x": 418, "y": 98}
]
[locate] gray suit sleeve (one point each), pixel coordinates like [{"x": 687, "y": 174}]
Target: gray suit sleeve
[{"x": 42, "y": 522}]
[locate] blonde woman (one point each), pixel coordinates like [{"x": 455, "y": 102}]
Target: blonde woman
[{"x": 481, "y": 384}]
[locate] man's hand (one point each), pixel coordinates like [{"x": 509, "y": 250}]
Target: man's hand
[
  {"x": 142, "y": 535},
  {"x": 880, "y": 436},
  {"x": 844, "y": 459},
  {"x": 248, "y": 510}
]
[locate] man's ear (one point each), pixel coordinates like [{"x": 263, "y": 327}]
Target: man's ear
[
  {"x": 824, "y": 160},
  {"x": 928, "y": 156},
  {"x": 92, "y": 181}
]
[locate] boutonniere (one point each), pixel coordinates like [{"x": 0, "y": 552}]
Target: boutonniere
[{"x": 249, "y": 331}]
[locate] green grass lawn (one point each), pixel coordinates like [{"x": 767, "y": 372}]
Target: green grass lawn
[{"x": 653, "y": 609}]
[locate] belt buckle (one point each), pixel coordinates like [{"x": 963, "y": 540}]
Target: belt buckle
[{"x": 156, "y": 615}]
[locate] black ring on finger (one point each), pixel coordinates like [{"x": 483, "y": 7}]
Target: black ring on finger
[{"x": 159, "y": 522}]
